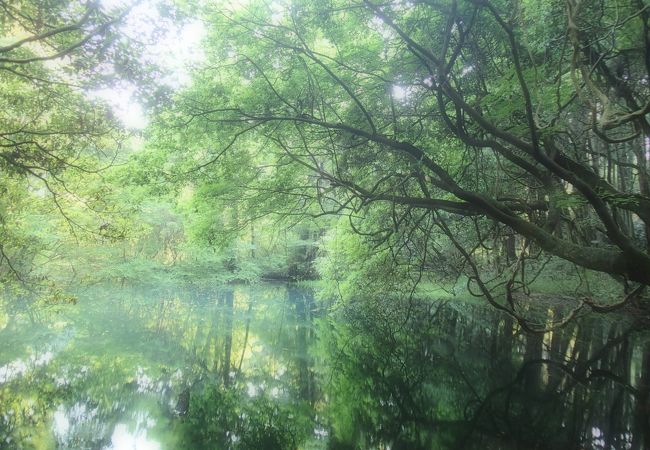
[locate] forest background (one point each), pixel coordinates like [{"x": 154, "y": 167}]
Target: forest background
[{"x": 489, "y": 148}]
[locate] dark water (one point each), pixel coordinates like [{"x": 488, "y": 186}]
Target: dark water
[{"x": 269, "y": 367}]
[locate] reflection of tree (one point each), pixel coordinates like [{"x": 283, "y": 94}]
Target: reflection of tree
[
  {"x": 429, "y": 376},
  {"x": 229, "y": 418},
  {"x": 303, "y": 307},
  {"x": 177, "y": 347},
  {"x": 263, "y": 405},
  {"x": 227, "y": 347},
  {"x": 587, "y": 403},
  {"x": 642, "y": 409}
]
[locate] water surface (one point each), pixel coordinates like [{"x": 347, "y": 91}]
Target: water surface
[{"x": 267, "y": 366}]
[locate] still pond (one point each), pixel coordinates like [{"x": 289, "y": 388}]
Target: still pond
[{"x": 271, "y": 367}]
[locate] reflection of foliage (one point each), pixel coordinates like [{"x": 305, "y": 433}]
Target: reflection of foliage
[
  {"x": 228, "y": 418},
  {"x": 420, "y": 376},
  {"x": 393, "y": 386},
  {"x": 23, "y": 417},
  {"x": 415, "y": 374},
  {"x": 77, "y": 390},
  {"x": 128, "y": 356}
]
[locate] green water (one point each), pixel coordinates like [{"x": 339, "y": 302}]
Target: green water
[{"x": 268, "y": 366}]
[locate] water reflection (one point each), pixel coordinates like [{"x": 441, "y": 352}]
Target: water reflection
[
  {"x": 129, "y": 368},
  {"x": 261, "y": 367},
  {"x": 125, "y": 439},
  {"x": 429, "y": 376}
]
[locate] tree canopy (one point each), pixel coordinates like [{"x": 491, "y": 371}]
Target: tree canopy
[
  {"x": 534, "y": 118},
  {"x": 470, "y": 134}
]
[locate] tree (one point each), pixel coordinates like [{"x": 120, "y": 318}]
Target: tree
[
  {"x": 51, "y": 53},
  {"x": 55, "y": 52},
  {"x": 530, "y": 116},
  {"x": 54, "y": 130}
]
